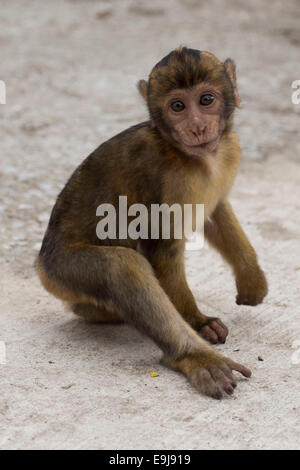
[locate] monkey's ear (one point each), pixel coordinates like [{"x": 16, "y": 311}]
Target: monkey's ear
[
  {"x": 143, "y": 88},
  {"x": 230, "y": 69}
]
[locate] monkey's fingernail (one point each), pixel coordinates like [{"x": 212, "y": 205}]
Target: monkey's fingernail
[
  {"x": 218, "y": 395},
  {"x": 229, "y": 390}
]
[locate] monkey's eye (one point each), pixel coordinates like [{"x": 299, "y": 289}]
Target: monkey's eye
[
  {"x": 207, "y": 99},
  {"x": 177, "y": 106}
]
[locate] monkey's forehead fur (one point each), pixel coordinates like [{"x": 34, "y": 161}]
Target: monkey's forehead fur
[{"x": 184, "y": 68}]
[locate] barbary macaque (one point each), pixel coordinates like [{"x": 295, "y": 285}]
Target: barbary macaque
[{"x": 186, "y": 153}]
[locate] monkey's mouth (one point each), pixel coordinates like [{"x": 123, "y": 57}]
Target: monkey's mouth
[
  {"x": 203, "y": 147},
  {"x": 193, "y": 146}
]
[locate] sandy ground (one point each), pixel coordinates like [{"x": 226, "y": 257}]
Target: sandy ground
[{"x": 70, "y": 68}]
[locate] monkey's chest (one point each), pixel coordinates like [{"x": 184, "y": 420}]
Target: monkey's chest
[{"x": 201, "y": 188}]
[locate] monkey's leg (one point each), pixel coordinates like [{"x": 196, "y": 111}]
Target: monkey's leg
[
  {"x": 95, "y": 314},
  {"x": 225, "y": 234},
  {"x": 125, "y": 278},
  {"x": 167, "y": 260}
]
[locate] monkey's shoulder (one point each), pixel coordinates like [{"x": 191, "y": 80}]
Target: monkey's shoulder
[
  {"x": 136, "y": 131},
  {"x": 137, "y": 135},
  {"x": 128, "y": 147}
]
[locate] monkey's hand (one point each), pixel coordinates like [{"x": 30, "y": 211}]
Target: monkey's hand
[
  {"x": 213, "y": 330},
  {"x": 209, "y": 372},
  {"x": 252, "y": 287}
]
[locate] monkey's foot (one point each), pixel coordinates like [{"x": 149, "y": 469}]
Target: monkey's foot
[
  {"x": 209, "y": 372},
  {"x": 213, "y": 330}
]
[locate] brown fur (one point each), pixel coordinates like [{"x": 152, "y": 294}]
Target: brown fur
[{"x": 143, "y": 282}]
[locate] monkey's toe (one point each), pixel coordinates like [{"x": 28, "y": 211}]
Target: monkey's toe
[
  {"x": 210, "y": 372},
  {"x": 217, "y": 380},
  {"x": 214, "y": 331}
]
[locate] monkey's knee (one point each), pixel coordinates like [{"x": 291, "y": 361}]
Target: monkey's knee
[{"x": 95, "y": 314}]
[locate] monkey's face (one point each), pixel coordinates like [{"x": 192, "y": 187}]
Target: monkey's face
[
  {"x": 194, "y": 118},
  {"x": 191, "y": 96}
]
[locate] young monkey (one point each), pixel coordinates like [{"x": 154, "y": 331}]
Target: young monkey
[{"x": 187, "y": 153}]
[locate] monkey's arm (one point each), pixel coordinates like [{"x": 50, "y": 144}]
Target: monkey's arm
[
  {"x": 167, "y": 260},
  {"x": 224, "y": 233}
]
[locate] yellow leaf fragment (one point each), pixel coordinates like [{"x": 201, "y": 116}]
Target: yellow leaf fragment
[{"x": 154, "y": 374}]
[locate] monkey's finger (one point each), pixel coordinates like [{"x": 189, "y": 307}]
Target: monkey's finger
[
  {"x": 229, "y": 374},
  {"x": 220, "y": 329},
  {"x": 221, "y": 323},
  {"x": 220, "y": 378},
  {"x": 239, "y": 368},
  {"x": 204, "y": 382},
  {"x": 209, "y": 334},
  {"x": 251, "y": 301},
  {"x": 239, "y": 300}
]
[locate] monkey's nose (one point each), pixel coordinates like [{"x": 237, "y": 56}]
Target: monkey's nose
[{"x": 197, "y": 131}]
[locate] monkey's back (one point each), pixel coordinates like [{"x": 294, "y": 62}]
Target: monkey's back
[{"x": 129, "y": 164}]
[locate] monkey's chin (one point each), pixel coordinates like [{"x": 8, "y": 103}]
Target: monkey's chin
[{"x": 202, "y": 149}]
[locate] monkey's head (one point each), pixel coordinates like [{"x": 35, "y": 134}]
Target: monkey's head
[{"x": 191, "y": 97}]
